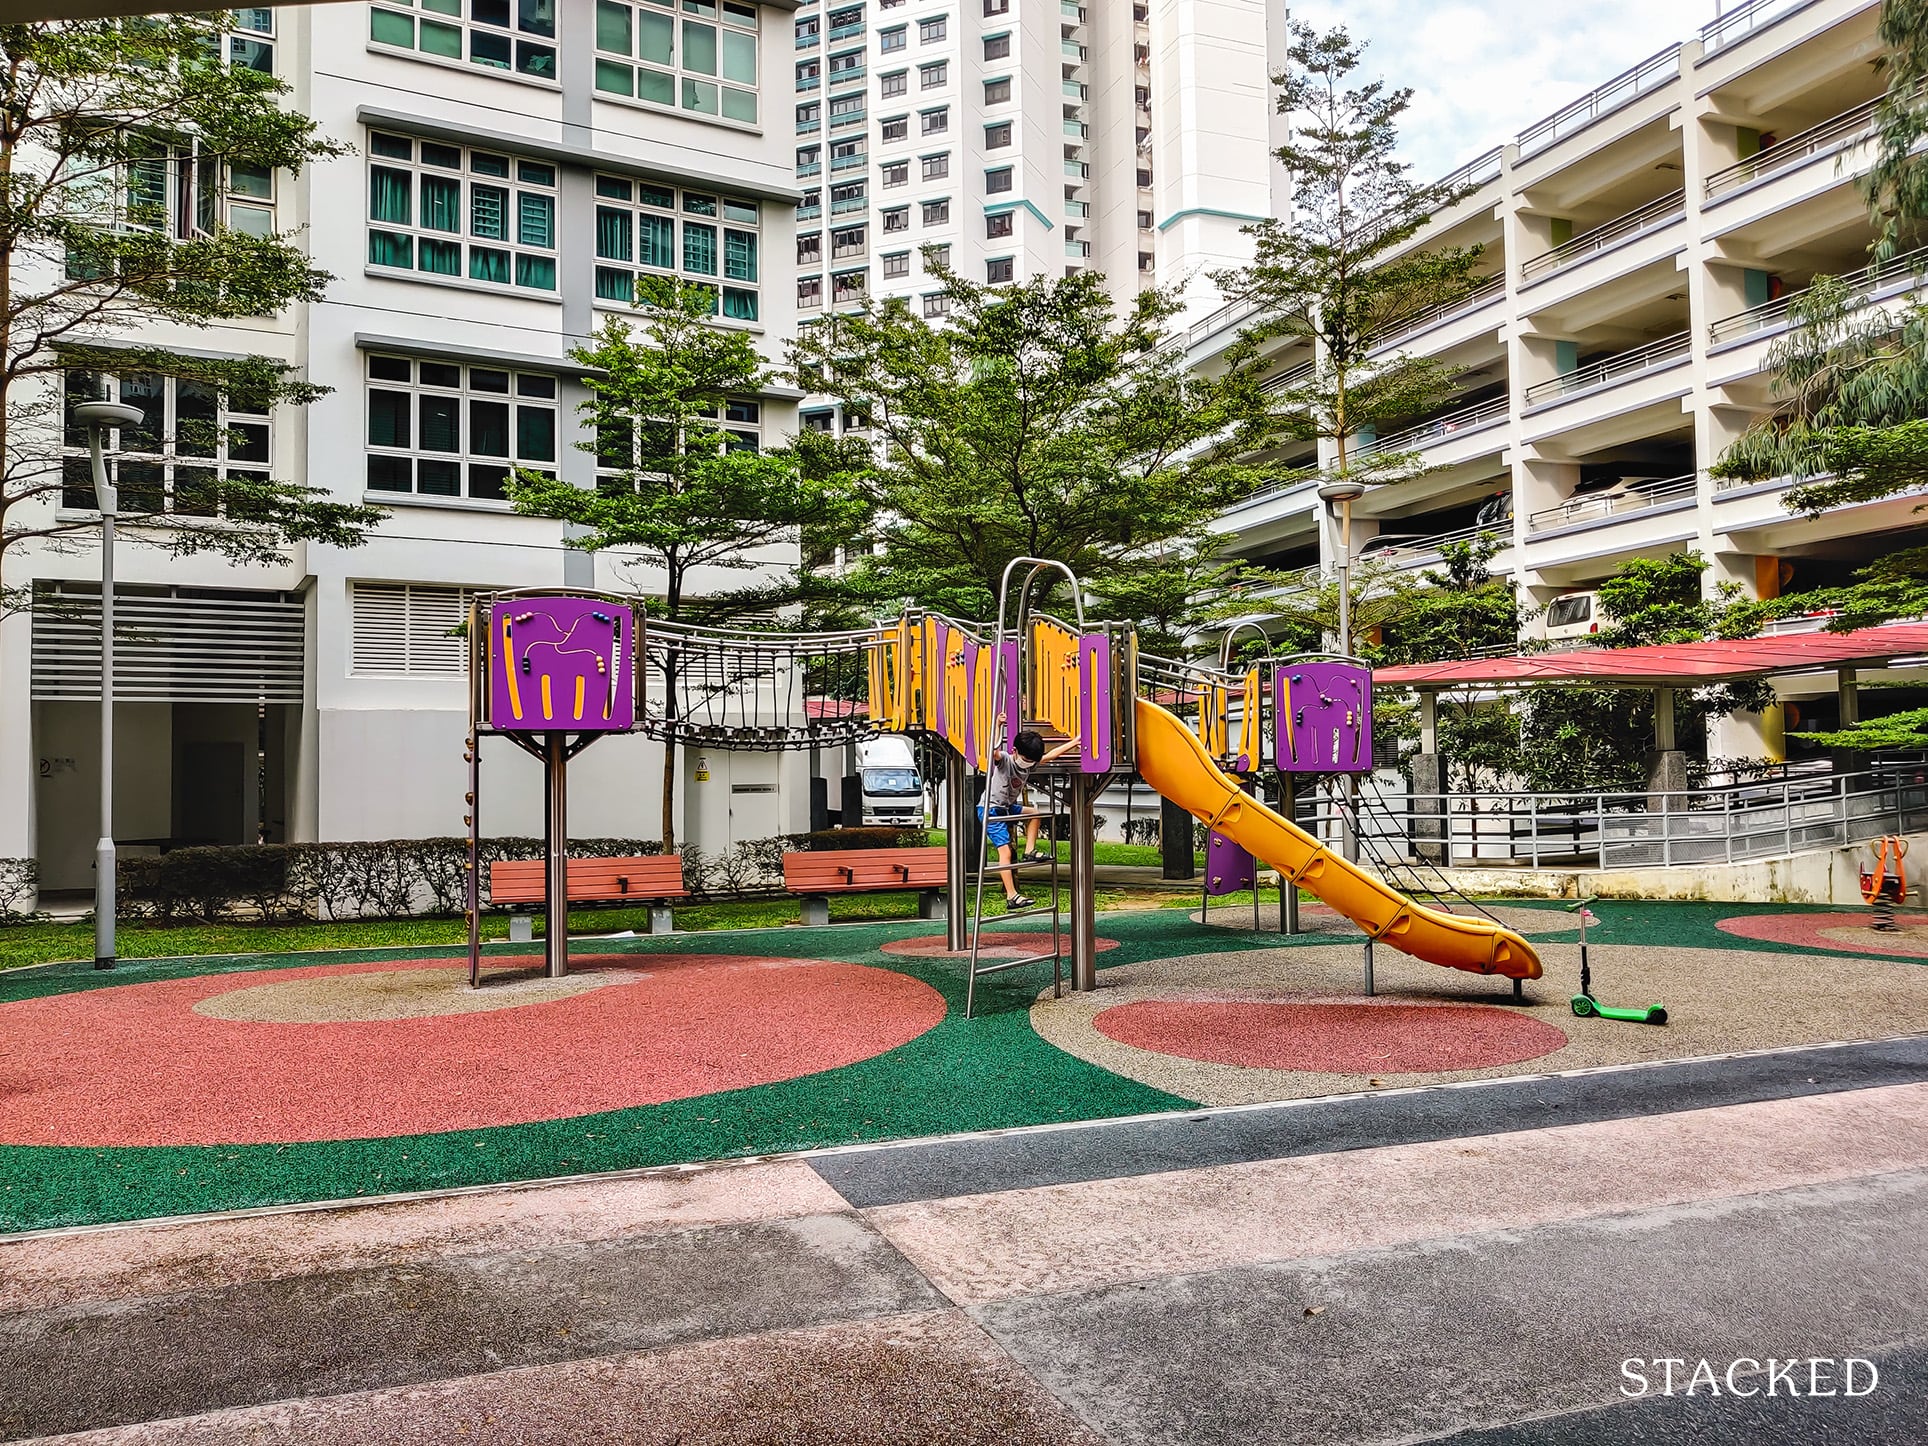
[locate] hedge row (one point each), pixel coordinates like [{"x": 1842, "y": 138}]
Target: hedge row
[{"x": 397, "y": 878}]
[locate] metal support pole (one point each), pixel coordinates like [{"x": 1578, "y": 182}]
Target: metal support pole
[
  {"x": 1369, "y": 988},
  {"x": 958, "y": 836},
  {"x": 473, "y": 892},
  {"x": 1084, "y": 885},
  {"x": 1349, "y": 827},
  {"x": 105, "y": 865},
  {"x": 1288, "y": 891},
  {"x": 555, "y": 831}
]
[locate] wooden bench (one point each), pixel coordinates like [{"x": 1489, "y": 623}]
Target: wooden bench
[
  {"x": 816, "y": 875},
  {"x": 654, "y": 879}
]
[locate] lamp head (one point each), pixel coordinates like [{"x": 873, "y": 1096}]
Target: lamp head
[
  {"x": 108, "y": 414},
  {"x": 1342, "y": 491}
]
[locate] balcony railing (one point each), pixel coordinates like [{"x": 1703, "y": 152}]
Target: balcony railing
[
  {"x": 1643, "y": 498},
  {"x": 850, "y": 75},
  {"x": 1650, "y": 217},
  {"x": 808, "y": 82},
  {"x": 1742, "y": 21},
  {"x": 804, "y": 42},
  {"x": 849, "y": 163},
  {"x": 1651, "y": 73},
  {"x": 1769, "y": 313},
  {"x": 809, "y": 168},
  {"x": 1614, "y": 368},
  {"x": 849, "y": 118},
  {"x": 1453, "y": 424},
  {"x": 1288, "y": 379},
  {"x": 1476, "y": 172},
  {"x": 1482, "y": 295},
  {"x": 849, "y": 204},
  {"x": 1830, "y": 135},
  {"x": 844, "y": 32}
]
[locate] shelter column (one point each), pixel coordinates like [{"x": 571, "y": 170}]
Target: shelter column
[
  {"x": 1667, "y": 764},
  {"x": 1429, "y": 784}
]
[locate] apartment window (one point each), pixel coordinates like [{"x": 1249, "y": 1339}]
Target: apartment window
[
  {"x": 930, "y": 77},
  {"x": 847, "y": 20},
  {"x": 809, "y": 160},
  {"x": 818, "y": 421},
  {"x": 637, "y": 233},
  {"x": 810, "y": 206},
  {"x": 707, "y": 67},
  {"x": 847, "y": 66},
  {"x": 1144, "y": 220},
  {"x": 896, "y": 83},
  {"x": 998, "y": 269},
  {"x": 1146, "y": 261},
  {"x": 809, "y": 31},
  {"x": 846, "y": 155},
  {"x": 845, "y": 107},
  {"x": 996, "y": 92},
  {"x": 936, "y": 122},
  {"x": 936, "y": 213},
  {"x": 809, "y": 117},
  {"x": 187, "y": 193},
  {"x": 847, "y": 243},
  {"x": 897, "y": 219},
  {"x": 189, "y": 437},
  {"x": 895, "y": 38},
  {"x": 488, "y": 33},
  {"x": 809, "y": 74},
  {"x": 897, "y": 264},
  {"x": 998, "y": 225},
  {"x": 997, "y": 136},
  {"x": 1144, "y": 177},
  {"x": 896, "y": 173},
  {"x": 897, "y": 128},
  {"x": 441, "y": 429},
  {"x": 997, "y": 181},
  {"x": 430, "y": 203},
  {"x": 936, "y": 303},
  {"x": 934, "y": 29},
  {"x": 251, "y": 46},
  {"x": 810, "y": 291},
  {"x": 810, "y": 248},
  {"x": 623, "y": 450},
  {"x": 937, "y": 167},
  {"x": 997, "y": 7},
  {"x": 997, "y": 47},
  {"x": 936, "y": 256},
  {"x": 849, "y": 286}
]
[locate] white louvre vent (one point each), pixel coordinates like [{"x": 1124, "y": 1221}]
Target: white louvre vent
[
  {"x": 410, "y": 628},
  {"x": 172, "y": 645}
]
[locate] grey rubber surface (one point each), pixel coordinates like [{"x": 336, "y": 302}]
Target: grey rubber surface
[{"x": 1101, "y": 1150}]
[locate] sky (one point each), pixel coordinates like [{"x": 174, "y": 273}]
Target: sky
[{"x": 1484, "y": 70}]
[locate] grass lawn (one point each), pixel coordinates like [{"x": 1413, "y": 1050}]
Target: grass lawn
[{"x": 1145, "y": 855}]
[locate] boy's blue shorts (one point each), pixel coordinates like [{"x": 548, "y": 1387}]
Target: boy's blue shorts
[{"x": 996, "y": 832}]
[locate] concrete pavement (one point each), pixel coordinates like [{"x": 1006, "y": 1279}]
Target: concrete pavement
[{"x": 1470, "y": 1263}]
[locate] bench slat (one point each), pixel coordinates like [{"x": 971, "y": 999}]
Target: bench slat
[
  {"x": 652, "y": 876},
  {"x": 845, "y": 871}
]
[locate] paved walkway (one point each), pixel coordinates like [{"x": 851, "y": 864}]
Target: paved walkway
[{"x": 1469, "y": 1262}]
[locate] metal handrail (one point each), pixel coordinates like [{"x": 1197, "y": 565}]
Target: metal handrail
[
  {"x": 1580, "y": 509},
  {"x": 1741, "y": 21},
  {"x": 1480, "y": 296},
  {"x": 1624, "y": 87},
  {"x": 1828, "y": 135},
  {"x": 1453, "y": 423},
  {"x": 1613, "y": 368},
  {"x": 1757, "y": 318},
  {"x": 1664, "y": 212}
]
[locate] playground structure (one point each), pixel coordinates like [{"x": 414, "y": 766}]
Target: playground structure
[{"x": 554, "y": 671}]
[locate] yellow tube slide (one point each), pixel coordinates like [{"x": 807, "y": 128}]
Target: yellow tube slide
[{"x": 1171, "y": 760}]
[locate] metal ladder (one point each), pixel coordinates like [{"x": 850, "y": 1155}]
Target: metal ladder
[{"x": 1049, "y": 816}]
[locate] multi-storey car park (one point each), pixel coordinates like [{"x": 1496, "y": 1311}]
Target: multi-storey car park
[
  {"x": 514, "y": 167},
  {"x": 1642, "y": 246}
]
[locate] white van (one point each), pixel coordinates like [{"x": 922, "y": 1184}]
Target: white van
[
  {"x": 893, "y": 789},
  {"x": 1573, "y": 615}
]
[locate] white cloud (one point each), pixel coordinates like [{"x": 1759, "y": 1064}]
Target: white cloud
[{"x": 1482, "y": 71}]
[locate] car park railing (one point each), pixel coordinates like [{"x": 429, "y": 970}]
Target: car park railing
[
  {"x": 1664, "y": 212},
  {"x": 1587, "y": 507}
]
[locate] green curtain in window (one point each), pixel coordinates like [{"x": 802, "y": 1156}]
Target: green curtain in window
[
  {"x": 489, "y": 429},
  {"x": 699, "y": 249},
  {"x": 613, "y": 230},
  {"x": 739, "y": 255},
  {"x": 441, "y": 203},
  {"x": 612, "y": 27},
  {"x": 488, "y": 212},
  {"x": 614, "y": 285},
  {"x": 535, "y": 219},
  {"x": 388, "y": 195},
  {"x": 488, "y": 264},
  {"x": 699, "y": 48},
  {"x": 390, "y": 248},
  {"x": 538, "y": 272},
  {"x": 739, "y": 305},
  {"x": 388, "y": 420},
  {"x": 441, "y": 423},
  {"x": 655, "y": 37},
  {"x": 535, "y": 434},
  {"x": 739, "y": 57},
  {"x": 656, "y": 241},
  {"x": 442, "y": 258}
]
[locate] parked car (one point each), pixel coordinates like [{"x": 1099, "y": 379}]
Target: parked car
[
  {"x": 1573, "y": 615},
  {"x": 1394, "y": 546},
  {"x": 1495, "y": 510}
]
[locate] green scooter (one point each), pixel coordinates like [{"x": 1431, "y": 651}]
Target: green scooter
[{"x": 1584, "y": 1004}]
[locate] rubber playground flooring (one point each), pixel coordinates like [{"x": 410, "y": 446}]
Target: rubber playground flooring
[{"x": 185, "y": 1086}]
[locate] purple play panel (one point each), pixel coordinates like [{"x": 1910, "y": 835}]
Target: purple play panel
[
  {"x": 1322, "y": 717},
  {"x": 562, "y": 665},
  {"x": 1095, "y": 703},
  {"x": 1228, "y": 866}
]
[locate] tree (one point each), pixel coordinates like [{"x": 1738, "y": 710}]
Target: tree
[
  {"x": 1906, "y": 729},
  {"x": 1035, "y": 422},
  {"x": 121, "y": 142},
  {"x": 1896, "y": 185},
  {"x": 1334, "y": 275},
  {"x": 675, "y": 487}
]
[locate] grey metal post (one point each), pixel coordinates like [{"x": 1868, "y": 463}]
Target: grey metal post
[
  {"x": 97, "y": 416},
  {"x": 555, "y": 828},
  {"x": 1084, "y": 885},
  {"x": 1345, "y": 494},
  {"x": 1288, "y": 890},
  {"x": 957, "y": 841}
]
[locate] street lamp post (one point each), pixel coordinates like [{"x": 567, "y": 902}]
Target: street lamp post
[
  {"x": 97, "y": 417},
  {"x": 1343, "y": 494}
]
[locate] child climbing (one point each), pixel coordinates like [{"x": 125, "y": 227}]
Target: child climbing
[{"x": 1004, "y": 799}]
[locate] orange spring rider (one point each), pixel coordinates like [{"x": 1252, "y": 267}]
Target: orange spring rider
[{"x": 1887, "y": 883}]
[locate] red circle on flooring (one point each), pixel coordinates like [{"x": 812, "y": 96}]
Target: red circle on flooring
[
  {"x": 1331, "y": 1038},
  {"x": 1001, "y": 944},
  {"x": 136, "y": 1064},
  {"x": 1845, "y": 933}
]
